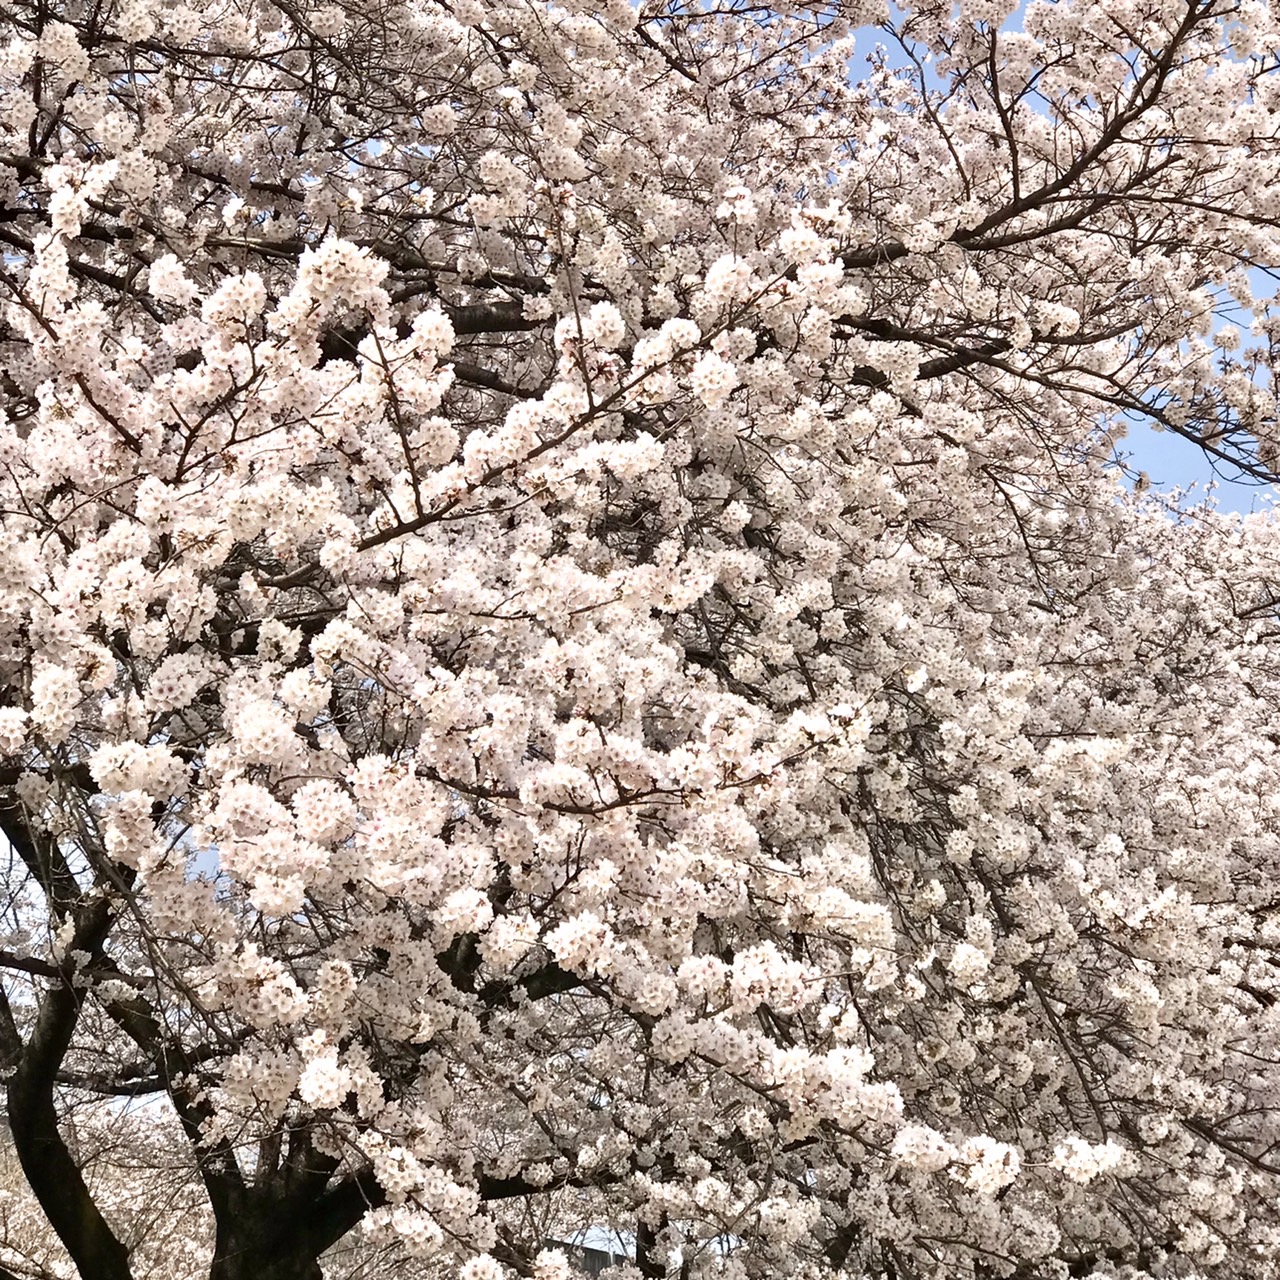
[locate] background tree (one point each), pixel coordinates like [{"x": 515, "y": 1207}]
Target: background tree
[{"x": 574, "y": 654}]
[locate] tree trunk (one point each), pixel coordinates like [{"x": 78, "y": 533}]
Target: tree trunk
[{"x": 255, "y": 1251}]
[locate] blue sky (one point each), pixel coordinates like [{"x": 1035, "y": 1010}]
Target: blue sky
[{"x": 1172, "y": 462}]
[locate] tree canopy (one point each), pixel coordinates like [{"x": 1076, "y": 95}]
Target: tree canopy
[{"x": 577, "y": 654}]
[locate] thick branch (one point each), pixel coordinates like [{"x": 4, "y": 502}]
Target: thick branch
[{"x": 51, "y": 1171}]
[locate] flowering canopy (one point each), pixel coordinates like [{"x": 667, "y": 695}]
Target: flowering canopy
[{"x": 573, "y": 654}]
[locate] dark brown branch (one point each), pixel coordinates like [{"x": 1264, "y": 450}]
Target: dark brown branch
[{"x": 51, "y": 1171}]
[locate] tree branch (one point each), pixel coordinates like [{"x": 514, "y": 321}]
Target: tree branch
[{"x": 51, "y": 1170}]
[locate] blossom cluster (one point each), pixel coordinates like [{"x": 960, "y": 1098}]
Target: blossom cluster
[{"x": 576, "y": 653}]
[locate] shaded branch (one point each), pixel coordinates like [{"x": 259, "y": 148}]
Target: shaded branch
[{"x": 51, "y": 1171}]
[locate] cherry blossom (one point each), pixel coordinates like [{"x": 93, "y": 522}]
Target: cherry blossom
[{"x": 579, "y": 656}]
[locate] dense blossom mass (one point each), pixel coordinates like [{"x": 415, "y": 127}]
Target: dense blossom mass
[{"x": 577, "y": 659}]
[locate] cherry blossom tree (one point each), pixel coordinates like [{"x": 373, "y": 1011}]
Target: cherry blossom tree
[{"x": 575, "y": 653}]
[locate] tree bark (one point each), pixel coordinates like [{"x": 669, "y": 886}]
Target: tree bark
[
  {"x": 256, "y": 1248},
  {"x": 50, "y": 1168}
]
